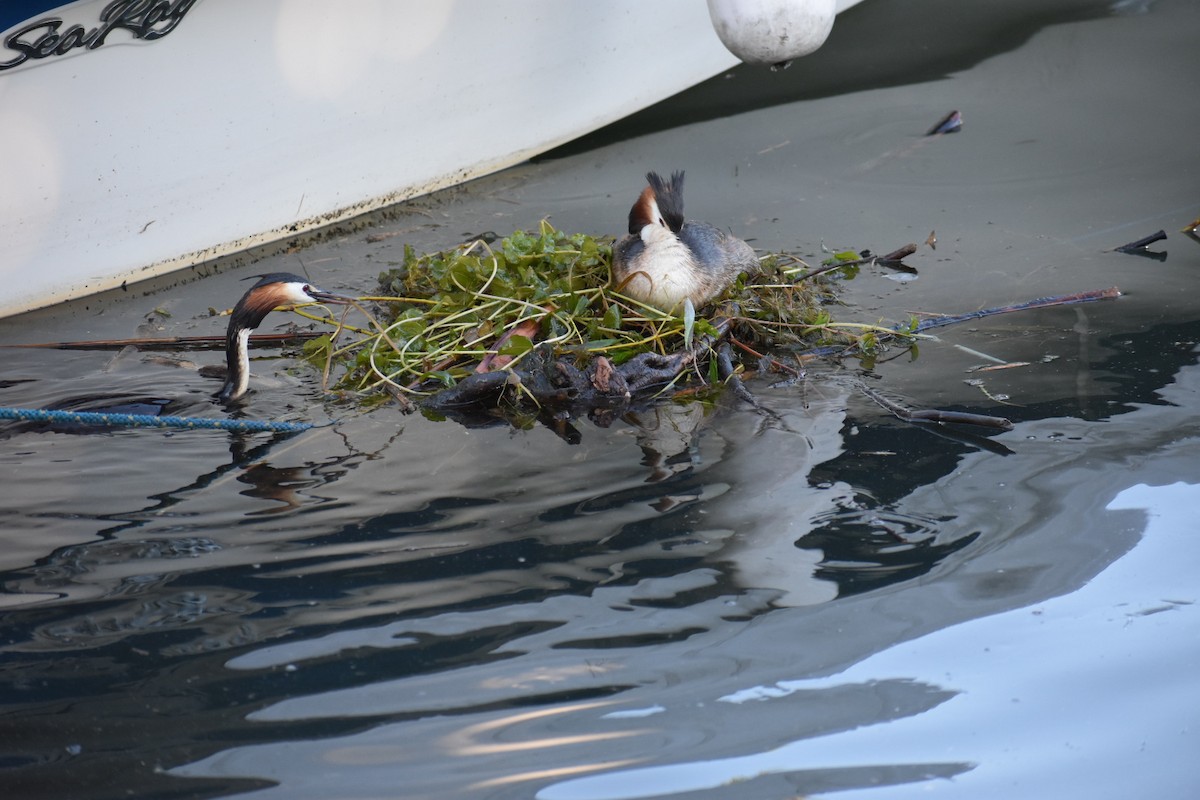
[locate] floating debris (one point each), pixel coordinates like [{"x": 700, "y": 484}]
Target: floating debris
[
  {"x": 1142, "y": 247},
  {"x": 994, "y": 367},
  {"x": 979, "y": 354},
  {"x": 951, "y": 123},
  {"x": 895, "y": 259},
  {"x": 1142, "y": 244},
  {"x": 934, "y": 415}
]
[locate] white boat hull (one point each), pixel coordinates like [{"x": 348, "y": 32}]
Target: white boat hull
[{"x": 244, "y": 123}]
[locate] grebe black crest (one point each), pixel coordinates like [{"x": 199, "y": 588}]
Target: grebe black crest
[
  {"x": 665, "y": 260},
  {"x": 270, "y": 292}
]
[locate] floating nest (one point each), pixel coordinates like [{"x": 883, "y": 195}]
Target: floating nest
[{"x": 532, "y": 322}]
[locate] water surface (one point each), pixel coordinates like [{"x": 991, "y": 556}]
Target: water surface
[{"x": 696, "y": 602}]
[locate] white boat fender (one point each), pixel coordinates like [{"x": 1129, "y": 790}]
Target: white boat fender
[{"x": 772, "y": 31}]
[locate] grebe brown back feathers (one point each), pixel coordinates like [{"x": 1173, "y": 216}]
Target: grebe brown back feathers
[{"x": 665, "y": 261}]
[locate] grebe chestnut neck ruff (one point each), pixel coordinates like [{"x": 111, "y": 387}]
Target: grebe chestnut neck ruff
[
  {"x": 667, "y": 262},
  {"x": 271, "y": 291}
]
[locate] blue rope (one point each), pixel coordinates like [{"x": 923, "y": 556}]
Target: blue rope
[{"x": 149, "y": 421}]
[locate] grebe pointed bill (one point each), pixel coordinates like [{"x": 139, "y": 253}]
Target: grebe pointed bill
[
  {"x": 270, "y": 292},
  {"x": 666, "y": 261}
]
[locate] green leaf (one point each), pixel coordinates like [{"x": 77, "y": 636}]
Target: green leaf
[
  {"x": 516, "y": 345},
  {"x": 466, "y": 274},
  {"x": 318, "y": 346},
  {"x": 705, "y": 328}
]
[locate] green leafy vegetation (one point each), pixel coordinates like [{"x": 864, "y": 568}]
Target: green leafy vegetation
[{"x": 438, "y": 316}]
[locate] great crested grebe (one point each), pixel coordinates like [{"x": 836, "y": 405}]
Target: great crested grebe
[
  {"x": 666, "y": 262},
  {"x": 271, "y": 291}
]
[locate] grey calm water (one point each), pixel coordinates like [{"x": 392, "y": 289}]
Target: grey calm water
[{"x": 694, "y": 603}]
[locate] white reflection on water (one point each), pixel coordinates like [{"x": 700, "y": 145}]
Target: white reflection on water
[
  {"x": 1097, "y": 674},
  {"x": 1062, "y": 634}
]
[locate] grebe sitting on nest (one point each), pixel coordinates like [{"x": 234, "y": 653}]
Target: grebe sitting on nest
[
  {"x": 666, "y": 262},
  {"x": 271, "y": 291}
]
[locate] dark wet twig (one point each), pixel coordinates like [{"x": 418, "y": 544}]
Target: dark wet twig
[
  {"x": 892, "y": 260},
  {"x": 775, "y": 364},
  {"x": 1110, "y": 293},
  {"x": 895, "y": 259},
  {"x": 1142, "y": 247},
  {"x": 830, "y": 268},
  {"x": 898, "y": 254},
  {"x": 171, "y": 342},
  {"x": 935, "y": 415},
  {"x": 727, "y": 373},
  {"x": 407, "y": 406},
  {"x": 951, "y": 123},
  {"x": 966, "y": 437},
  {"x": 1141, "y": 244},
  {"x": 960, "y": 417}
]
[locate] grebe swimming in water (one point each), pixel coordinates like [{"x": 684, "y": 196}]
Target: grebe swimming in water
[
  {"x": 666, "y": 262},
  {"x": 271, "y": 291}
]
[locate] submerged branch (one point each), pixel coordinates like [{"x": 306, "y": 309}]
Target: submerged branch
[
  {"x": 935, "y": 415},
  {"x": 1110, "y": 293},
  {"x": 171, "y": 342}
]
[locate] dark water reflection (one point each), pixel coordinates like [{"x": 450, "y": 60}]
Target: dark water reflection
[
  {"x": 694, "y": 602},
  {"x": 378, "y": 614}
]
